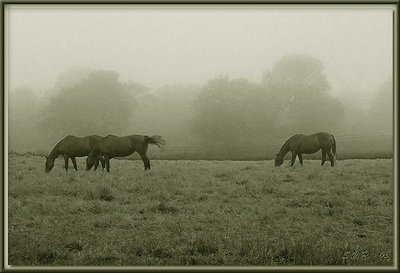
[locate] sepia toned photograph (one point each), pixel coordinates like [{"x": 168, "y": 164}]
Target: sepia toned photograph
[{"x": 211, "y": 136}]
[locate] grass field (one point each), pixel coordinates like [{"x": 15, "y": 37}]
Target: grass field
[{"x": 201, "y": 213}]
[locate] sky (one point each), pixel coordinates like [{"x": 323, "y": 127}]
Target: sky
[{"x": 168, "y": 44}]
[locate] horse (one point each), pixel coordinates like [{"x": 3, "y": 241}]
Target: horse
[
  {"x": 71, "y": 147},
  {"x": 300, "y": 144},
  {"x": 114, "y": 146}
]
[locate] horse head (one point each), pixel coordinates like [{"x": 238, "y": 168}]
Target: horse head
[
  {"x": 49, "y": 164},
  {"x": 89, "y": 162},
  {"x": 278, "y": 160}
]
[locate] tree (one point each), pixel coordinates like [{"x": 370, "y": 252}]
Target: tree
[
  {"x": 71, "y": 77},
  {"x": 98, "y": 104},
  {"x": 355, "y": 120},
  {"x": 233, "y": 112},
  {"x": 23, "y": 110},
  {"x": 294, "y": 73},
  {"x": 381, "y": 109},
  {"x": 167, "y": 111},
  {"x": 301, "y": 90}
]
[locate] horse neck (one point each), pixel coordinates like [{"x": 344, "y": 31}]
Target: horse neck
[
  {"x": 284, "y": 150},
  {"x": 94, "y": 152},
  {"x": 54, "y": 153}
]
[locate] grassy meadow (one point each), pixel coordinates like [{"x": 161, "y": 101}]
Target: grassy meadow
[{"x": 186, "y": 212}]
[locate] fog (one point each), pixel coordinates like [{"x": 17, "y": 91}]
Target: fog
[{"x": 166, "y": 59}]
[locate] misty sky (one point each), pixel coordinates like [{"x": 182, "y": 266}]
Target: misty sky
[{"x": 170, "y": 44}]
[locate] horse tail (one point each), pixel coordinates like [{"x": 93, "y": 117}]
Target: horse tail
[
  {"x": 334, "y": 147},
  {"x": 156, "y": 140}
]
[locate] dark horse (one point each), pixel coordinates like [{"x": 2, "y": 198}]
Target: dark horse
[
  {"x": 114, "y": 146},
  {"x": 71, "y": 147},
  {"x": 301, "y": 144}
]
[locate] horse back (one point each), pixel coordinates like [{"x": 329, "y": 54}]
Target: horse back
[
  {"x": 138, "y": 140},
  {"x": 307, "y": 144},
  {"x": 94, "y": 140},
  {"x": 75, "y": 146},
  {"x": 324, "y": 137},
  {"x": 115, "y": 146}
]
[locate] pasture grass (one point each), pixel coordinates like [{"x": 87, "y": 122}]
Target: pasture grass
[{"x": 200, "y": 213}]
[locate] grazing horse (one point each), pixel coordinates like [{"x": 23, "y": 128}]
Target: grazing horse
[
  {"x": 301, "y": 144},
  {"x": 71, "y": 147},
  {"x": 114, "y": 146}
]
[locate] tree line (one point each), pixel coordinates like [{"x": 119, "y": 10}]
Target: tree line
[{"x": 292, "y": 97}]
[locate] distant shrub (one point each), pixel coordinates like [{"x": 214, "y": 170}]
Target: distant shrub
[
  {"x": 203, "y": 246},
  {"x": 74, "y": 246},
  {"x": 371, "y": 201},
  {"x": 89, "y": 195},
  {"x": 102, "y": 224},
  {"x": 359, "y": 222},
  {"x": 104, "y": 260},
  {"x": 162, "y": 207},
  {"x": 223, "y": 176},
  {"x": 46, "y": 257},
  {"x": 106, "y": 195},
  {"x": 95, "y": 209},
  {"x": 41, "y": 153},
  {"x": 161, "y": 252}
]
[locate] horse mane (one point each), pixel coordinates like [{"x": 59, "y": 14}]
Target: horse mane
[
  {"x": 96, "y": 147},
  {"x": 104, "y": 139},
  {"x": 57, "y": 146},
  {"x": 287, "y": 142}
]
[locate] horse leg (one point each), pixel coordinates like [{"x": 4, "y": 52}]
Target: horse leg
[
  {"x": 323, "y": 158},
  {"x": 107, "y": 159},
  {"x": 96, "y": 163},
  {"x": 293, "y": 158},
  {"x": 74, "y": 163},
  {"x": 102, "y": 161},
  {"x": 146, "y": 161},
  {"x": 331, "y": 158},
  {"x": 66, "y": 159},
  {"x": 300, "y": 159}
]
